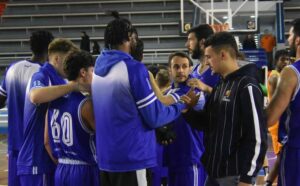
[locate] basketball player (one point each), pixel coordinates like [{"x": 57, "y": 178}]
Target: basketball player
[
  {"x": 286, "y": 97},
  {"x": 13, "y": 89},
  {"x": 34, "y": 165},
  {"x": 71, "y": 127},
  {"x": 126, "y": 111},
  {"x": 195, "y": 45},
  {"x": 184, "y": 153}
]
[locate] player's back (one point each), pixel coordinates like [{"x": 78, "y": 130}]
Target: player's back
[
  {"x": 71, "y": 140},
  {"x": 14, "y": 87},
  {"x": 33, "y": 158},
  {"x": 123, "y": 140},
  {"x": 126, "y": 110}
]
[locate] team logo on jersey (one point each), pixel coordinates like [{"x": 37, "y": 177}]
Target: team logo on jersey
[
  {"x": 227, "y": 93},
  {"x": 226, "y": 96}
]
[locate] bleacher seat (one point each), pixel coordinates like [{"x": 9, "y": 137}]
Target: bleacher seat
[
  {"x": 259, "y": 57},
  {"x": 157, "y": 22},
  {"x": 2, "y": 7}
]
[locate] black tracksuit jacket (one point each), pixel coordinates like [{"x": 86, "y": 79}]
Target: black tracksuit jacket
[{"x": 235, "y": 132}]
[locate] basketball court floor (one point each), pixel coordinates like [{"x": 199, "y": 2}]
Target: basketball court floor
[
  {"x": 3, "y": 160},
  {"x": 4, "y": 171}
]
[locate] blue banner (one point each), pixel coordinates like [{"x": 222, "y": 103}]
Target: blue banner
[{"x": 280, "y": 23}]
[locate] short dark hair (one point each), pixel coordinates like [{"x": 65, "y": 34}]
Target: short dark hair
[
  {"x": 116, "y": 32},
  {"x": 179, "y": 54},
  {"x": 280, "y": 53},
  {"x": 153, "y": 69},
  {"x": 61, "y": 45},
  {"x": 75, "y": 61},
  {"x": 39, "y": 41},
  {"x": 202, "y": 31},
  {"x": 223, "y": 40},
  {"x": 296, "y": 26}
]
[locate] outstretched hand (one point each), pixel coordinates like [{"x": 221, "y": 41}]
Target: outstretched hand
[
  {"x": 196, "y": 83},
  {"x": 190, "y": 98}
]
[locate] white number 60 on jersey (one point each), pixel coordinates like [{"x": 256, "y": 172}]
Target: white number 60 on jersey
[{"x": 65, "y": 127}]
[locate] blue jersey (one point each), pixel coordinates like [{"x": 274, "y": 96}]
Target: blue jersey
[
  {"x": 187, "y": 148},
  {"x": 71, "y": 141},
  {"x": 206, "y": 77},
  {"x": 293, "y": 110},
  {"x": 126, "y": 110},
  {"x": 33, "y": 158},
  {"x": 14, "y": 88}
]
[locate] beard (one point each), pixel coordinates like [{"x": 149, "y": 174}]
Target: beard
[
  {"x": 133, "y": 51},
  {"x": 293, "y": 50},
  {"x": 197, "y": 53}
]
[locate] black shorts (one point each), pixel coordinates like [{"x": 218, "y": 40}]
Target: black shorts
[{"x": 132, "y": 178}]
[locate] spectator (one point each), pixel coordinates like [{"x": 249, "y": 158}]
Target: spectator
[
  {"x": 268, "y": 42},
  {"x": 85, "y": 42},
  {"x": 96, "y": 48},
  {"x": 249, "y": 43}
]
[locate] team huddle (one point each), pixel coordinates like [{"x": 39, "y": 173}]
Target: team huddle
[{"x": 73, "y": 121}]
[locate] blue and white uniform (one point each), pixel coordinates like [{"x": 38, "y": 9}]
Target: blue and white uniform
[
  {"x": 183, "y": 155},
  {"x": 126, "y": 112},
  {"x": 290, "y": 156},
  {"x": 13, "y": 87},
  {"x": 159, "y": 173},
  {"x": 206, "y": 77},
  {"x": 72, "y": 142},
  {"x": 33, "y": 161}
]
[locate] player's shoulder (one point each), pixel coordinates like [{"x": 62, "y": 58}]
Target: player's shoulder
[
  {"x": 16, "y": 64},
  {"x": 134, "y": 63},
  {"x": 40, "y": 75},
  {"x": 135, "y": 67}
]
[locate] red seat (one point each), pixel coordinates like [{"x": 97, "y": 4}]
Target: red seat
[{"x": 2, "y": 8}]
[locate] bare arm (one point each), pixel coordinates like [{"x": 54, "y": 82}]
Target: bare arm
[
  {"x": 273, "y": 80},
  {"x": 87, "y": 114},
  {"x": 282, "y": 96},
  {"x": 166, "y": 100},
  {"x": 50, "y": 93},
  {"x": 46, "y": 140},
  {"x": 196, "y": 83}
]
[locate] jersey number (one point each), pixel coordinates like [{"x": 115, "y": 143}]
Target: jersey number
[{"x": 65, "y": 127}]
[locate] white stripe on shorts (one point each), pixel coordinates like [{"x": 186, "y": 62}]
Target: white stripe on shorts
[
  {"x": 195, "y": 169},
  {"x": 141, "y": 177}
]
